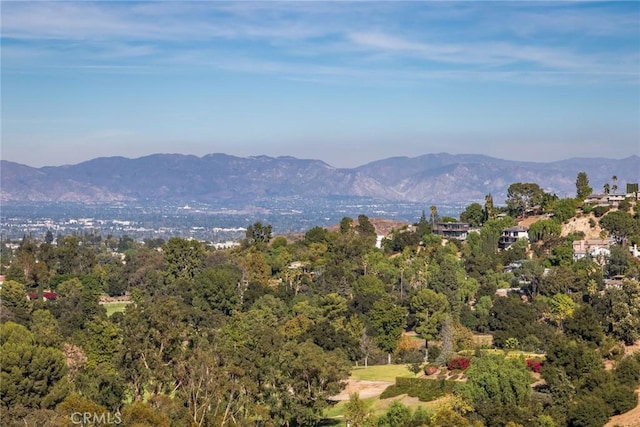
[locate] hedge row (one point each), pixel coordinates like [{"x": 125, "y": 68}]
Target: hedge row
[{"x": 423, "y": 388}]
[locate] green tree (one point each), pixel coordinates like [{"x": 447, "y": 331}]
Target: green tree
[
  {"x": 620, "y": 307},
  {"x": 473, "y": 214},
  {"x": 388, "y": 321},
  {"x": 365, "y": 227},
  {"x": 45, "y": 329},
  {"x": 588, "y": 411},
  {"x": 544, "y": 229},
  {"x": 75, "y": 306},
  {"x": 73, "y": 257},
  {"x": 620, "y": 224},
  {"x": 582, "y": 186},
  {"x": 564, "y": 209},
  {"x": 430, "y": 309},
  {"x": 312, "y": 375},
  {"x": 561, "y": 307},
  {"x": 153, "y": 335},
  {"x": 355, "y": 411},
  {"x": 398, "y": 415},
  {"x": 30, "y": 375},
  {"x": 433, "y": 217},
  {"x": 627, "y": 371},
  {"x": 140, "y": 414},
  {"x": 217, "y": 288},
  {"x": 182, "y": 258},
  {"x": 497, "y": 387},
  {"x": 345, "y": 225},
  {"x": 489, "y": 212},
  {"x": 523, "y": 196},
  {"x": 257, "y": 233},
  {"x": 585, "y": 325},
  {"x": 618, "y": 261},
  {"x": 14, "y": 302}
]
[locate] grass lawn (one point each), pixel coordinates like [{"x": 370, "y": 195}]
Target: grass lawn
[
  {"x": 114, "y": 307},
  {"x": 510, "y": 353},
  {"x": 381, "y": 372}
]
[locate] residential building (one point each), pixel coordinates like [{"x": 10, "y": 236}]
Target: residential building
[
  {"x": 511, "y": 235},
  {"x": 452, "y": 230},
  {"x": 595, "y": 248}
]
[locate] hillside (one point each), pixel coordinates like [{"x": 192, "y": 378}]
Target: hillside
[
  {"x": 577, "y": 224},
  {"x": 433, "y": 178}
]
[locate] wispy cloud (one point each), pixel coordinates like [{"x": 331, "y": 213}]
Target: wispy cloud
[{"x": 298, "y": 39}]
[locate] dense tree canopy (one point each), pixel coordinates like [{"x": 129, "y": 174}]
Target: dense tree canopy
[{"x": 265, "y": 333}]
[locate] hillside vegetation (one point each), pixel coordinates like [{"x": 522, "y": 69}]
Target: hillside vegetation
[{"x": 472, "y": 328}]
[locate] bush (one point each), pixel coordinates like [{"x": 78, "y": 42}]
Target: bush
[
  {"x": 534, "y": 365},
  {"x": 624, "y": 205},
  {"x": 598, "y": 211},
  {"x": 434, "y": 353},
  {"x": 430, "y": 369},
  {"x": 460, "y": 363}
]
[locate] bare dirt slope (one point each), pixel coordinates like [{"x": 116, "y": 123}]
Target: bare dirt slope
[
  {"x": 631, "y": 418},
  {"x": 628, "y": 419},
  {"x": 364, "y": 388},
  {"x": 574, "y": 225}
]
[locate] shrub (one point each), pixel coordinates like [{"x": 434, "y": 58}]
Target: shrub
[
  {"x": 430, "y": 369},
  {"x": 460, "y": 363},
  {"x": 534, "y": 365},
  {"x": 598, "y": 211},
  {"x": 434, "y": 352}
]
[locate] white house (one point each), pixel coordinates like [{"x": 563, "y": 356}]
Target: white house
[
  {"x": 511, "y": 235},
  {"x": 595, "y": 248}
]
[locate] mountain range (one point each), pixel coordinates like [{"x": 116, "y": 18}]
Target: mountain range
[{"x": 431, "y": 178}]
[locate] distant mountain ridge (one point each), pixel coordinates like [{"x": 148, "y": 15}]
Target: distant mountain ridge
[{"x": 431, "y": 178}]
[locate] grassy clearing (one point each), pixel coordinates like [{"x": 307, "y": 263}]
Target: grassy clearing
[
  {"x": 377, "y": 408},
  {"x": 510, "y": 354},
  {"x": 115, "y": 307},
  {"x": 381, "y": 373},
  {"x": 334, "y": 415}
]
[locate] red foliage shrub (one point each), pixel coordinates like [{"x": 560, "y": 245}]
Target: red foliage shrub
[
  {"x": 534, "y": 365},
  {"x": 461, "y": 363},
  {"x": 430, "y": 370}
]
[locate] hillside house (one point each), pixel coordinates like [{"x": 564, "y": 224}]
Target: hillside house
[
  {"x": 452, "y": 230},
  {"x": 604, "y": 199},
  {"x": 511, "y": 235},
  {"x": 595, "y": 248}
]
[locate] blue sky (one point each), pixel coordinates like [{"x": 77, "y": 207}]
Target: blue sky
[{"x": 345, "y": 82}]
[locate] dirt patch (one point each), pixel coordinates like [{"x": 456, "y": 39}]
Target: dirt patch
[
  {"x": 364, "y": 388},
  {"x": 631, "y": 418},
  {"x": 628, "y": 419},
  {"x": 574, "y": 225},
  {"x": 581, "y": 224}
]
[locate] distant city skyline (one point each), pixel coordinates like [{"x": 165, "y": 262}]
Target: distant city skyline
[{"x": 343, "y": 82}]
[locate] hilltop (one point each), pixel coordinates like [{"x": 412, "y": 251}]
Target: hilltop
[{"x": 175, "y": 178}]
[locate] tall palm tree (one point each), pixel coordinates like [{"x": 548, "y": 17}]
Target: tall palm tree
[
  {"x": 606, "y": 188},
  {"x": 614, "y": 187},
  {"x": 434, "y": 215}
]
